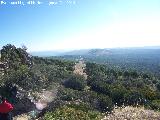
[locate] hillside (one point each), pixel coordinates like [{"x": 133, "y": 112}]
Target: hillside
[
  {"x": 139, "y": 59},
  {"x": 54, "y": 88}
]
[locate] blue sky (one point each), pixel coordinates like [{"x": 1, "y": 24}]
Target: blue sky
[{"x": 80, "y": 25}]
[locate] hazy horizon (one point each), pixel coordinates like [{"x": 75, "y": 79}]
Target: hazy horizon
[
  {"x": 81, "y": 24},
  {"x": 70, "y": 50}
]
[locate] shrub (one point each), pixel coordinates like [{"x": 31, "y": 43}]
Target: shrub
[
  {"x": 70, "y": 113},
  {"x": 155, "y": 104},
  {"x": 148, "y": 93},
  {"x": 105, "y": 103},
  {"x": 76, "y": 82},
  {"x": 68, "y": 94},
  {"x": 134, "y": 97},
  {"x": 158, "y": 86},
  {"x": 100, "y": 87},
  {"x": 117, "y": 94}
]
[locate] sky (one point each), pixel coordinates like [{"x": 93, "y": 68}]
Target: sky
[{"x": 80, "y": 24}]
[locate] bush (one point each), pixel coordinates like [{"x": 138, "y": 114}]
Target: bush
[
  {"x": 100, "y": 87},
  {"x": 134, "y": 97},
  {"x": 105, "y": 103},
  {"x": 67, "y": 94},
  {"x": 70, "y": 113},
  {"x": 117, "y": 94},
  {"x": 158, "y": 86},
  {"x": 148, "y": 93},
  {"x": 76, "y": 82},
  {"x": 155, "y": 104}
]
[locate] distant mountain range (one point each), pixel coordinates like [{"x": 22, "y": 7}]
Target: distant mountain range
[{"x": 100, "y": 52}]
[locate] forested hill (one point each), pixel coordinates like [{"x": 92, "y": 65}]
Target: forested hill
[
  {"x": 115, "y": 51},
  {"x": 80, "y": 90},
  {"x": 139, "y": 59}
]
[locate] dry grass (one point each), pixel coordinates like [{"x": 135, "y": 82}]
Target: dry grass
[
  {"x": 132, "y": 113},
  {"x": 22, "y": 117}
]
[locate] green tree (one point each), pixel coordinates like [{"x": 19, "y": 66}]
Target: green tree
[
  {"x": 105, "y": 103},
  {"x": 76, "y": 82},
  {"x": 14, "y": 57}
]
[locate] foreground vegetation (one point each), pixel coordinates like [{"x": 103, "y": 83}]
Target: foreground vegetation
[
  {"x": 77, "y": 97},
  {"x": 132, "y": 113}
]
